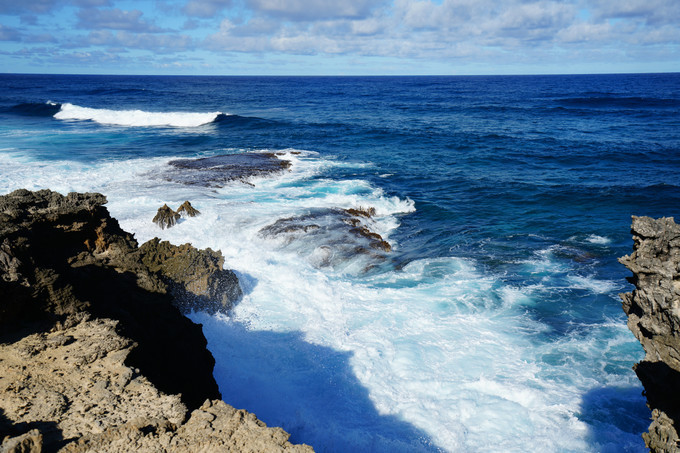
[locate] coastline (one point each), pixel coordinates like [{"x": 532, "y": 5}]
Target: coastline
[{"x": 95, "y": 351}]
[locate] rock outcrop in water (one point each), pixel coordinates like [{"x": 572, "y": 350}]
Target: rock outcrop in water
[
  {"x": 653, "y": 310},
  {"x": 337, "y": 236},
  {"x": 94, "y": 355},
  {"x": 195, "y": 278},
  {"x": 166, "y": 217},
  {"x": 217, "y": 171}
]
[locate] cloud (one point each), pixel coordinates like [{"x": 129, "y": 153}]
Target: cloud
[
  {"x": 308, "y": 10},
  {"x": 652, "y": 12},
  {"x": 9, "y": 34},
  {"x": 144, "y": 41},
  {"x": 479, "y": 33},
  {"x": 115, "y": 19},
  {"x": 205, "y": 8},
  {"x": 32, "y": 6}
]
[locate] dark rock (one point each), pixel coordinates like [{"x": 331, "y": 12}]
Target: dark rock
[
  {"x": 333, "y": 236},
  {"x": 63, "y": 257},
  {"x": 195, "y": 277},
  {"x": 217, "y": 171},
  {"x": 653, "y": 310},
  {"x": 188, "y": 210},
  {"x": 166, "y": 217}
]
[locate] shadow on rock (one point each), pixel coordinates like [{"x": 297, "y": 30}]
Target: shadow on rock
[
  {"x": 626, "y": 415},
  {"x": 29, "y": 437},
  {"x": 309, "y": 390}
]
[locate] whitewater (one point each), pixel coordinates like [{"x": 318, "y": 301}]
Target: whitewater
[
  {"x": 433, "y": 356},
  {"x": 492, "y": 324}
]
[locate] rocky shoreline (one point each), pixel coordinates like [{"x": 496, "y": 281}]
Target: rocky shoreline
[
  {"x": 95, "y": 352},
  {"x": 653, "y": 310}
]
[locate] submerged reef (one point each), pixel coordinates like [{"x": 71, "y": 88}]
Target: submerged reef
[
  {"x": 653, "y": 310},
  {"x": 95, "y": 354}
]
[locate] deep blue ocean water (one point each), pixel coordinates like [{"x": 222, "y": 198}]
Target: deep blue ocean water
[{"x": 493, "y": 324}]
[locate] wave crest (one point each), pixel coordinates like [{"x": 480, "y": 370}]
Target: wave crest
[{"x": 136, "y": 117}]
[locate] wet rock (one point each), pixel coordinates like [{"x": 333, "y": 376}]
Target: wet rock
[
  {"x": 187, "y": 210},
  {"x": 195, "y": 277},
  {"x": 653, "y": 310},
  {"x": 331, "y": 237},
  {"x": 217, "y": 171},
  {"x": 166, "y": 217}
]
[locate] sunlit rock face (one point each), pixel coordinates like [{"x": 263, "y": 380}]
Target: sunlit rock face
[{"x": 653, "y": 310}]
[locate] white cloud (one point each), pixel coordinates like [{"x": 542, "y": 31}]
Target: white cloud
[
  {"x": 310, "y": 10},
  {"x": 205, "y": 8},
  {"x": 115, "y": 19}
]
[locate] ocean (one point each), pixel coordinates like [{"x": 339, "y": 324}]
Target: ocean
[{"x": 492, "y": 320}]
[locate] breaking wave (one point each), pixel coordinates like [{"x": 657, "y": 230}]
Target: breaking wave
[{"x": 138, "y": 118}]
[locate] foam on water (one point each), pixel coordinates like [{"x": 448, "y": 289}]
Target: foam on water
[
  {"x": 435, "y": 355},
  {"x": 135, "y": 117}
]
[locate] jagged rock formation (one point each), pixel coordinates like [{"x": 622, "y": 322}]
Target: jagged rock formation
[
  {"x": 92, "y": 350},
  {"x": 194, "y": 277},
  {"x": 70, "y": 390},
  {"x": 653, "y": 310},
  {"x": 188, "y": 210},
  {"x": 166, "y": 217}
]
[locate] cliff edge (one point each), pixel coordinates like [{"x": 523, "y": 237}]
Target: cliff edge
[
  {"x": 653, "y": 310},
  {"x": 95, "y": 354}
]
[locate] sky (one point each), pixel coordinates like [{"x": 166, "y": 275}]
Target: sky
[{"x": 339, "y": 37}]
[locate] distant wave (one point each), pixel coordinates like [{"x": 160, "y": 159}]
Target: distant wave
[
  {"x": 36, "y": 108},
  {"x": 239, "y": 121},
  {"x": 136, "y": 117}
]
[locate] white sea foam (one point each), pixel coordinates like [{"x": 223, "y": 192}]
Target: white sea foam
[
  {"x": 599, "y": 240},
  {"x": 135, "y": 117},
  {"x": 434, "y": 355},
  {"x": 592, "y": 284}
]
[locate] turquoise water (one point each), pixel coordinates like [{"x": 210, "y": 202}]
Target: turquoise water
[{"x": 493, "y": 324}]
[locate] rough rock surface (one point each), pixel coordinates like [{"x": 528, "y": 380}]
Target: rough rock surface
[
  {"x": 196, "y": 278},
  {"x": 166, "y": 217},
  {"x": 69, "y": 390},
  {"x": 653, "y": 310},
  {"x": 61, "y": 256},
  {"x": 94, "y": 356},
  {"x": 186, "y": 209},
  {"x": 217, "y": 171}
]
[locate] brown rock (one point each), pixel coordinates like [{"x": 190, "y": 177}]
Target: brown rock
[
  {"x": 196, "y": 278},
  {"x": 188, "y": 210},
  {"x": 30, "y": 442},
  {"x": 166, "y": 217}
]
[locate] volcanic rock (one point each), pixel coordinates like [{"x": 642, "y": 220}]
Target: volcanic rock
[{"x": 653, "y": 310}]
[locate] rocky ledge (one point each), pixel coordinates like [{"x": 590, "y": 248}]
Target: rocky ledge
[
  {"x": 653, "y": 310},
  {"x": 94, "y": 353}
]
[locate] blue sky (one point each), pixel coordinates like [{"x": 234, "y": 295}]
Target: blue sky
[{"x": 317, "y": 37}]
